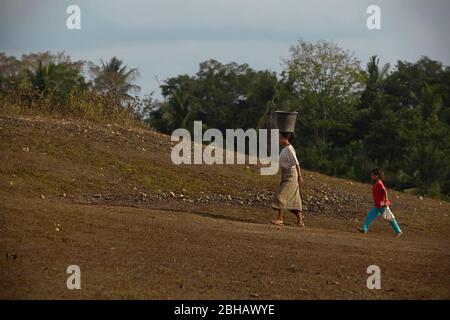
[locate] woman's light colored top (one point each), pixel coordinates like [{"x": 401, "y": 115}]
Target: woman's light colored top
[{"x": 288, "y": 158}]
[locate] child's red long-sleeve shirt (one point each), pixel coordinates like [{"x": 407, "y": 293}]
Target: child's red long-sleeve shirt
[{"x": 378, "y": 193}]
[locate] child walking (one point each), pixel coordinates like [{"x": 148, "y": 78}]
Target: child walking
[
  {"x": 288, "y": 195},
  {"x": 381, "y": 201}
]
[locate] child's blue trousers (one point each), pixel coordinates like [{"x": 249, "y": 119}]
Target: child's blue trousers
[{"x": 375, "y": 213}]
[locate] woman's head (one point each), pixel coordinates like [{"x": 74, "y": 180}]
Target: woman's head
[
  {"x": 377, "y": 173},
  {"x": 286, "y": 138}
]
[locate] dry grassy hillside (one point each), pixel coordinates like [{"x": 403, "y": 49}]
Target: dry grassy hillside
[{"x": 109, "y": 198}]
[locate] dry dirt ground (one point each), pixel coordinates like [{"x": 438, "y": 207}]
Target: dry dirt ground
[{"x": 108, "y": 199}]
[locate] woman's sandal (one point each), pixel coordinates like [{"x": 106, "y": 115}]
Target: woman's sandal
[
  {"x": 277, "y": 222},
  {"x": 301, "y": 225}
]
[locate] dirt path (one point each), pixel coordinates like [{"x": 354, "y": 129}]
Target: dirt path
[
  {"x": 148, "y": 253},
  {"x": 108, "y": 199}
]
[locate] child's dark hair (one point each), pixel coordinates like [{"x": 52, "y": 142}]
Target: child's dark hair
[
  {"x": 287, "y": 135},
  {"x": 378, "y": 173}
]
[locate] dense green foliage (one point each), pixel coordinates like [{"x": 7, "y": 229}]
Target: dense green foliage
[
  {"x": 350, "y": 118},
  {"x": 222, "y": 96}
]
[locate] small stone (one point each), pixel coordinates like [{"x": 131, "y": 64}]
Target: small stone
[
  {"x": 42, "y": 196},
  {"x": 11, "y": 256},
  {"x": 293, "y": 268},
  {"x": 26, "y": 149}
]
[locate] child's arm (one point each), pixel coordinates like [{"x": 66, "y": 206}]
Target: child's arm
[
  {"x": 299, "y": 174},
  {"x": 385, "y": 197}
]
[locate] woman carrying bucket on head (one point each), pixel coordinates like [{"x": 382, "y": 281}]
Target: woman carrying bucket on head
[
  {"x": 381, "y": 204},
  {"x": 288, "y": 195}
]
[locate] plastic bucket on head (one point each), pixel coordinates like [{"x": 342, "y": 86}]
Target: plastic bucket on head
[{"x": 284, "y": 121}]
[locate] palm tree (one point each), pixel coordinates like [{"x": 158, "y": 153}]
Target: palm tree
[
  {"x": 376, "y": 74},
  {"x": 113, "y": 77},
  {"x": 375, "y": 80},
  {"x": 178, "y": 111},
  {"x": 57, "y": 78},
  {"x": 39, "y": 77}
]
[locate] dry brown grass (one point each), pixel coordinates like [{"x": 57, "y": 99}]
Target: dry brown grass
[{"x": 89, "y": 178}]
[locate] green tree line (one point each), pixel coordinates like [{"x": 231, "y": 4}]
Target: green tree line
[{"x": 351, "y": 117}]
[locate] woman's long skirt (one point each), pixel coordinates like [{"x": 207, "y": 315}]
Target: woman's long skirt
[{"x": 288, "y": 195}]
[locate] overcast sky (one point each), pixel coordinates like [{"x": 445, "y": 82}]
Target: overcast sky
[{"x": 164, "y": 38}]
